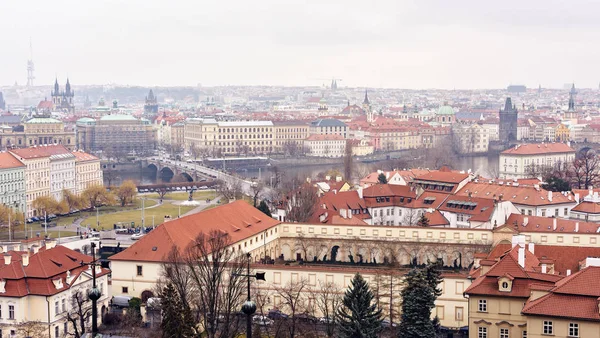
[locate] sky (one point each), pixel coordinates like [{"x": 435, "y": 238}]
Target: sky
[{"x": 417, "y": 44}]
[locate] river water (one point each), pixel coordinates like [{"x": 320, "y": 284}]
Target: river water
[{"x": 477, "y": 164}]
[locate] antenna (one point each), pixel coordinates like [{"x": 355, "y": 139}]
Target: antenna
[{"x": 30, "y": 66}]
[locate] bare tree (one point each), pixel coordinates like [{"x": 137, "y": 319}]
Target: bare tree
[
  {"x": 79, "y": 313},
  {"x": 162, "y": 192},
  {"x": 31, "y": 329},
  {"x": 210, "y": 281},
  {"x": 304, "y": 244},
  {"x": 386, "y": 286},
  {"x": 301, "y": 203},
  {"x": 328, "y": 300},
  {"x": 257, "y": 187},
  {"x": 348, "y": 161},
  {"x": 411, "y": 216},
  {"x": 585, "y": 170},
  {"x": 229, "y": 188},
  {"x": 292, "y": 301}
]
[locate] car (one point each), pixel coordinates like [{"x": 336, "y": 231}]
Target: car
[
  {"x": 386, "y": 323},
  {"x": 135, "y": 237},
  {"x": 262, "y": 320},
  {"x": 305, "y": 317},
  {"x": 35, "y": 219},
  {"x": 277, "y": 314},
  {"x": 29, "y": 220},
  {"x": 325, "y": 320}
]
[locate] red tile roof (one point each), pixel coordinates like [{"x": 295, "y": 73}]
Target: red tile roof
[
  {"x": 515, "y": 194},
  {"x": 238, "y": 219},
  {"x": 587, "y": 207},
  {"x": 81, "y": 156},
  {"x": 523, "y": 223},
  {"x": 40, "y": 151},
  {"x": 8, "y": 161},
  {"x": 482, "y": 210},
  {"x": 443, "y": 177},
  {"x": 537, "y": 149},
  {"x": 436, "y": 218}
]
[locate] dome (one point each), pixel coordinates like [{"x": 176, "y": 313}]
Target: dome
[{"x": 445, "y": 110}]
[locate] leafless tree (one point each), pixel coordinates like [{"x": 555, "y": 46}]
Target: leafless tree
[
  {"x": 538, "y": 170},
  {"x": 386, "y": 286},
  {"x": 293, "y": 295},
  {"x": 207, "y": 273},
  {"x": 162, "y": 192},
  {"x": 304, "y": 245},
  {"x": 348, "y": 161},
  {"x": 411, "y": 216},
  {"x": 301, "y": 203},
  {"x": 586, "y": 170},
  {"x": 257, "y": 187},
  {"x": 229, "y": 188},
  {"x": 31, "y": 329},
  {"x": 80, "y": 311},
  {"x": 328, "y": 299}
]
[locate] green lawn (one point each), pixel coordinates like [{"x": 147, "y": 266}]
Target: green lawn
[
  {"x": 183, "y": 196},
  {"x": 67, "y": 220},
  {"x": 107, "y": 221}
]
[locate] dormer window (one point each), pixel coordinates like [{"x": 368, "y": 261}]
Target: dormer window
[{"x": 505, "y": 283}]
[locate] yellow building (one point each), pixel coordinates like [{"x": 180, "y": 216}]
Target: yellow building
[
  {"x": 562, "y": 133},
  {"x": 229, "y": 138},
  {"x": 37, "y": 131},
  {"x": 87, "y": 171},
  {"x": 37, "y": 174},
  {"x": 290, "y": 136}
]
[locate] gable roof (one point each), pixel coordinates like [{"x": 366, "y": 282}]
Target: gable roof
[
  {"x": 515, "y": 194},
  {"x": 238, "y": 219},
  {"x": 538, "y": 149},
  {"x": 8, "y": 161}
]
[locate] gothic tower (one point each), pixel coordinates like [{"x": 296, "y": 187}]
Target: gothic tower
[
  {"x": 151, "y": 105},
  {"x": 2, "y": 103},
  {"x": 366, "y": 105},
  {"x": 508, "y": 123}
]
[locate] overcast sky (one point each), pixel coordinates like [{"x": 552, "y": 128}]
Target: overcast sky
[{"x": 368, "y": 43}]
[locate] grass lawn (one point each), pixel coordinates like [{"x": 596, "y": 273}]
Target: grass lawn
[
  {"x": 67, "y": 220},
  {"x": 107, "y": 221},
  {"x": 183, "y": 196}
]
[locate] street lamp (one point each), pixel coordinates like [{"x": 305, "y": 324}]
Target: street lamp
[
  {"x": 249, "y": 307},
  {"x": 94, "y": 293}
]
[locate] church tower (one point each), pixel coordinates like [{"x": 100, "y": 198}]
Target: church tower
[
  {"x": 151, "y": 105},
  {"x": 366, "y": 105},
  {"x": 508, "y": 123}
]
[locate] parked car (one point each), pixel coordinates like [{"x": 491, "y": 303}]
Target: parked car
[
  {"x": 305, "y": 317},
  {"x": 262, "y": 320},
  {"x": 120, "y": 301},
  {"x": 35, "y": 219},
  {"x": 386, "y": 323},
  {"x": 135, "y": 237},
  {"x": 277, "y": 314},
  {"x": 325, "y": 320}
]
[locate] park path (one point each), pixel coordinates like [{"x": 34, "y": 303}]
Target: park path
[{"x": 202, "y": 206}]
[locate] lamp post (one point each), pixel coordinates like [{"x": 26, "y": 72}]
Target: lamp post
[
  {"x": 249, "y": 307},
  {"x": 94, "y": 293}
]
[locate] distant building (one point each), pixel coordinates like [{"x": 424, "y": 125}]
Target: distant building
[
  {"x": 528, "y": 160},
  {"x": 445, "y": 116},
  {"x": 516, "y": 89},
  {"x": 508, "y": 123},
  {"x": 63, "y": 100},
  {"x": 470, "y": 138},
  {"x": 116, "y": 134},
  {"x": 330, "y": 145},
  {"x": 87, "y": 171},
  {"x": 2, "y": 102},
  {"x": 35, "y": 131},
  {"x": 329, "y": 127},
  {"x": 12, "y": 182},
  {"x": 290, "y": 136},
  {"x": 151, "y": 105}
]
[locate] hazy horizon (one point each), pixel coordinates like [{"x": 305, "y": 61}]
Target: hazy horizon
[{"x": 378, "y": 44}]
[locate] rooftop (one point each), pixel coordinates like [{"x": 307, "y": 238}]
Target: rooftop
[
  {"x": 8, "y": 161},
  {"x": 42, "y": 120},
  {"x": 537, "y": 149},
  {"x": 118, "y": 117}
]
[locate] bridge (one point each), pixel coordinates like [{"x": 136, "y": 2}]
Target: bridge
[{"x": 179, "y": 186}]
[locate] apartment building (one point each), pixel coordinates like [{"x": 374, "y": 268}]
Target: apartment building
[
  {"x": 289, "y": 135},
  {"x": 12, "y": 182},
  {"x": 37, "y": 174},
  {"x": 470, "y": 138},
  {"x": 326, "y": 145},
  {"x": 329, "y": 127},
  {"x": 522, "y": 161},
  {"x": 62, "y": 170},
  {"x": 116, "y": 133},
  {"x": 87, "y": 171}
]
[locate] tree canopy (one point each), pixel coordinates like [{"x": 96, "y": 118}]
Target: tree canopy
[
  {"x": 382, "y": 179},
  {"x": 358, "y": 316}
]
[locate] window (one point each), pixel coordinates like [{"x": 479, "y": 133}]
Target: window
[
  {"x": 63, "y": 305},
  {"x": 56, "y": 307},
  {"x": 547, "y": 327},
  {"x": 11, "y": 312},
  {"x": 482, "y": 305},
  {"x": 124, "y": 289},
  {"x": 524, "y": 334},
  {"x": 566, "y": 211},
  {"x": 573, "y": 330},
  {"x": 139, "y": 270},
  {"x": 458, "y": 314},
  {"x": 482, "y": 332},
  {"x": 56, "y": 332},
  {"x": 65, "y": 327},
  {"x": 504, "y": 333}
]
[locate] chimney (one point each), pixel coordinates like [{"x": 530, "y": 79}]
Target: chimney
[
  {"x": 576, "y": 226},
  {"x": 7, "y": 259},
  {"x": 522, "y": 257},
  {"x": 25, "y": 259},
  {"x": 577, "y": 197},
  {"x": 349, "y": 213},
  {"x": 360, "y": 192},
  {"x": 343, "y": 213},
  {"x": 525, "y": 221},
  {"x": 568, "y": 272},
  {"x": 327, "y": 178},
  {"x": 531, "y": 247},
  {"x": 554, "y": 224},
  {"x": 590, "y": 190},
  {"x": 50, "y": 243},
  {"x": 322, "y": 217},
  {"x": 544, "y": 268},
  {"x": 550, "y": 196},
  {"x": 335, "y": 191},
  {"x": 35, "y": 249},
  {"x": 518, "y": 240},
  {"x": 338, "y": 178}
]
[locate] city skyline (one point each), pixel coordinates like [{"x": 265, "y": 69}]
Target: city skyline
[{"x": 385, "y": 44}]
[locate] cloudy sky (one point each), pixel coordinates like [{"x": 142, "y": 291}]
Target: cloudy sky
[{"x": 368, "y": 43}]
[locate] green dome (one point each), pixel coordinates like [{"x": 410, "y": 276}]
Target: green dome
[{"x": 445, "y": 110}]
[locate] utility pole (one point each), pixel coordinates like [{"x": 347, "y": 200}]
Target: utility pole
[{"x": 94, "y": 293}]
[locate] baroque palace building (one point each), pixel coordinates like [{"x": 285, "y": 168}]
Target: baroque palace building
[{"x": 38, "y": 130}]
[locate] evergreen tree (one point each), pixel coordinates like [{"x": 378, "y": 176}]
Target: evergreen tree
[
  {"x": 418, "y": 299},
  {"x": 264, "y": 208},
  {"x": 176, "y": 320},
  {"x": 423, "y": 221},
  {"x": 382, "y": 179},
  {"x": 358, "y": 317}
]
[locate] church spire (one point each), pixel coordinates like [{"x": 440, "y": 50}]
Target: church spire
[
  {"x": 56, "y": 89},
  {"x": 571, "y": 103},
  {"x": 68, "y": 87},
  {"x": 366, "y": 101}
]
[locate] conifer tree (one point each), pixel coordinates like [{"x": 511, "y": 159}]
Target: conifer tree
[
  {"x": 418, "y": 299},
  {"x": 264, "y": 208},
  {"x": 358, "y": 317},
  {"x": 176, "y": 321},
  {"x": 423, "y": 221},
  {"x": 382, "y": 179}
]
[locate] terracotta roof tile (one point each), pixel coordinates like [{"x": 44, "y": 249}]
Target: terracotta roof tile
[
  {"x": 515, "y": 194},
  {"x": 8, "y": 161},
  {"x": 537, "y": 149}
]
